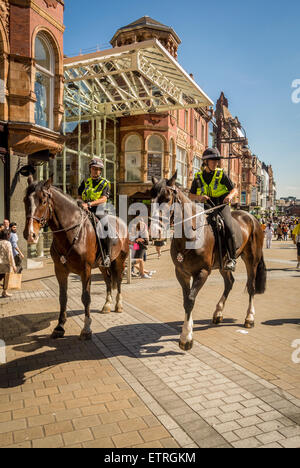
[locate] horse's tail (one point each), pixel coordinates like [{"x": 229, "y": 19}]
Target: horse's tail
[
  {"x": 113, "y": 274},
  {"x": 261, "y": 277}
]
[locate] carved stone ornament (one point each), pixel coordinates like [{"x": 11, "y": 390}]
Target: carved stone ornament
[
  {"x": 51, "y": 3},
  {"x": 4, "y": 14}
]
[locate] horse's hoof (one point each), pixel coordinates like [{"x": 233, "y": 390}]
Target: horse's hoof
[
  {"x": 249, "y": 324},
  {"x": 57, "y": 334},
  {"x": 186, "y": 346},
  {"x": 105, "y": 310},
  {"x": 85, "y": 336},
  {"x": 217, "y": 320},
  {"x": 119, "y": 310}
]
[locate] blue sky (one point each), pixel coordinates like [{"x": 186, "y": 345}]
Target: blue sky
[{"x": 249, "y": 50}]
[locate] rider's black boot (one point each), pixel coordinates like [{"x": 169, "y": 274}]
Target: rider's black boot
[{"x": 231, "y": 245}]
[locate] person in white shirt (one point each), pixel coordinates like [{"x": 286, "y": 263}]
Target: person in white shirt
[
  {"x": 7, "y": 263},
  {"x": 269, "y": 232}
]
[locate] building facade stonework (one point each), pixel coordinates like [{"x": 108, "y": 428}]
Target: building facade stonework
[
  {"x": 31, "y": 107},
  {"x": 162, "y": 143}
]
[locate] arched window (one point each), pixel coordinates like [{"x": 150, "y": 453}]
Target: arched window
[
  {"x": 155, "y": 157},
  {"x": 133, "y": 159},
  {"x": 44, "y": 82}
]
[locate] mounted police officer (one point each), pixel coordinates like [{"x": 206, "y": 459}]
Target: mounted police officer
[
  {"x": 211, "y": 183},
  {"x": 95, "y": 192}
]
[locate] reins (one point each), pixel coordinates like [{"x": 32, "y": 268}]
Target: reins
[{"x": 47, "y": 216}]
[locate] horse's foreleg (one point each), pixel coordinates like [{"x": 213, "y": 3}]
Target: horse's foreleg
[
  {"x": 106, "y": 309},
  {"x": 62, "y": 278},
  {"x": 229, "y": 281},
  {"x": 86, "y": 332},
  {"x": 189, "y": 297},
  {"x": 120, "y": 265}
]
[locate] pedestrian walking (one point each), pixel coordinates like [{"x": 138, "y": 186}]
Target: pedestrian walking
[
  {"x": 296, "y": 238},
  {"x": 269, "y": 232},
  {"x": 139, "y": 240},
  {"x": 14, "y": 239},
  {"x": 6, "y": 225},
  {"x": 7, "y": 263}
]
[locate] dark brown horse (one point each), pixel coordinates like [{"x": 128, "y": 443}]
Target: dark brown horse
[
  {"x": 74, "y": 247},
  {"x": 196, "y": 264}
]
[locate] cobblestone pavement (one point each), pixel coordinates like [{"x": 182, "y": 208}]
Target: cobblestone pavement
[{"x": 132, "y": 386}]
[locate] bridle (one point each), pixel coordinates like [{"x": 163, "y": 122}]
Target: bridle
[{"x": 44, "y": 219}]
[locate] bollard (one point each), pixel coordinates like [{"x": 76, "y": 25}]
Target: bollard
[
  {"x": 129, "y": 267},
  {"x": 2, "y": 352}
]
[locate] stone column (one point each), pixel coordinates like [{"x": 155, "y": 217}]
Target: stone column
[
  {"x": 18, "y": 184},
  {"x": 144, "y": 166}
]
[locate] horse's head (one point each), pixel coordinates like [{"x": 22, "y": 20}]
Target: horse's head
[
  {"x": 164, "y": 196},
  {"x": 38, "y": 208}
]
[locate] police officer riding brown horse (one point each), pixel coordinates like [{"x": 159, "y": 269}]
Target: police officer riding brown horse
[
  {"x": 243, "y": 232},
  {"x": 75, "y": 246}
]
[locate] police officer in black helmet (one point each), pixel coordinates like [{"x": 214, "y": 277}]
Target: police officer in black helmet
[
  {"x": 211, "y": 183},
  {"x": 95, "y": 192}
]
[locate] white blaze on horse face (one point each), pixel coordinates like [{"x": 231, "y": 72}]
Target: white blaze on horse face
[
  {"x": 187, "y": 330},
  {"x": 160, "y": 218},
  {"x": 32, "y": 236}
]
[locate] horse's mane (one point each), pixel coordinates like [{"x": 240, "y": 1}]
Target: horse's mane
[{"x": 37, "y": 186}]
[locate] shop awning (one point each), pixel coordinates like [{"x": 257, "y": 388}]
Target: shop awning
[{"x": 135, "y": 79}]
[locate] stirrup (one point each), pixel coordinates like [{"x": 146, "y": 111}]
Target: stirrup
[{"x": 230, "y": 265}]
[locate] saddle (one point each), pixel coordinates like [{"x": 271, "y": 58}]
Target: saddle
[{"x": 217, "y": 223}]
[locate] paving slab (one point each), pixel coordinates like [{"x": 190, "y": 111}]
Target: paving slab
[{"x": 131, "y": 386}]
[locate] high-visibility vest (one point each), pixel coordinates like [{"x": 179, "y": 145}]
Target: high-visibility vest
[
  {"x": 215, "y": 189},
  {"x": 91, "y": 193}
]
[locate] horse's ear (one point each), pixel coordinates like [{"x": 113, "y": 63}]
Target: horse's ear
[
  {"x": 171, "y": 182},
  {"x": 154, "y": 180},
  {"x": 30, "y": 180},
  {"x": 49, "y": 182}
]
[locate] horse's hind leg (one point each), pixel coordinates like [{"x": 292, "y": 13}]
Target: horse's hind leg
[
  {"x": 62, "y": 278},
  {"x": 229, "y": 281},
  {"x": 86, "y": 332},
  {"x": 251, "y": 266},
  {"x": 120, "y": 266}
]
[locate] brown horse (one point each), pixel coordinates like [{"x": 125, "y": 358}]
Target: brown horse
[
  {"x": 197, "y": 263},
  {"x": 74, "y": 247}
]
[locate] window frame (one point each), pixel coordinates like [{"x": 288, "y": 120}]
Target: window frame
[
  {"x": 154, "y": 153},
  {"x": 49, "y": 74},
  {"x": 137, "y": 151}
]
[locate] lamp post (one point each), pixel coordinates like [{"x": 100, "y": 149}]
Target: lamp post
[{"x": 234, "y": 123}]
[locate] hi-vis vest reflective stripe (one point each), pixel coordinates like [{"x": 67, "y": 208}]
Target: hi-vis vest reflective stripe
[
  {"x": 92, "y": 194},
  {"x": 215, "y": 189}
]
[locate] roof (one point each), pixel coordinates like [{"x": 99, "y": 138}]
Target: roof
[
  {"x": 146, "y": 22},
  {"x": 130, "y": 80}
]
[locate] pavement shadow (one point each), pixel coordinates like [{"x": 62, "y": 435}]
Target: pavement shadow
[
  {"x": 279, "y": 322},
  {"x": 133, "y": 340},
  {"x": 291, "y": 269}
]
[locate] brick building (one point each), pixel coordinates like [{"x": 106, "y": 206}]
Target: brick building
[
  {"x": 230, "y": 142},
  {"x": 31, "y": 109},
  {"x": 139, "y": 73}
]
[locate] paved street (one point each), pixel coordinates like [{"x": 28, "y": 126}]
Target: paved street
[{"x": 132, "y": 386}]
